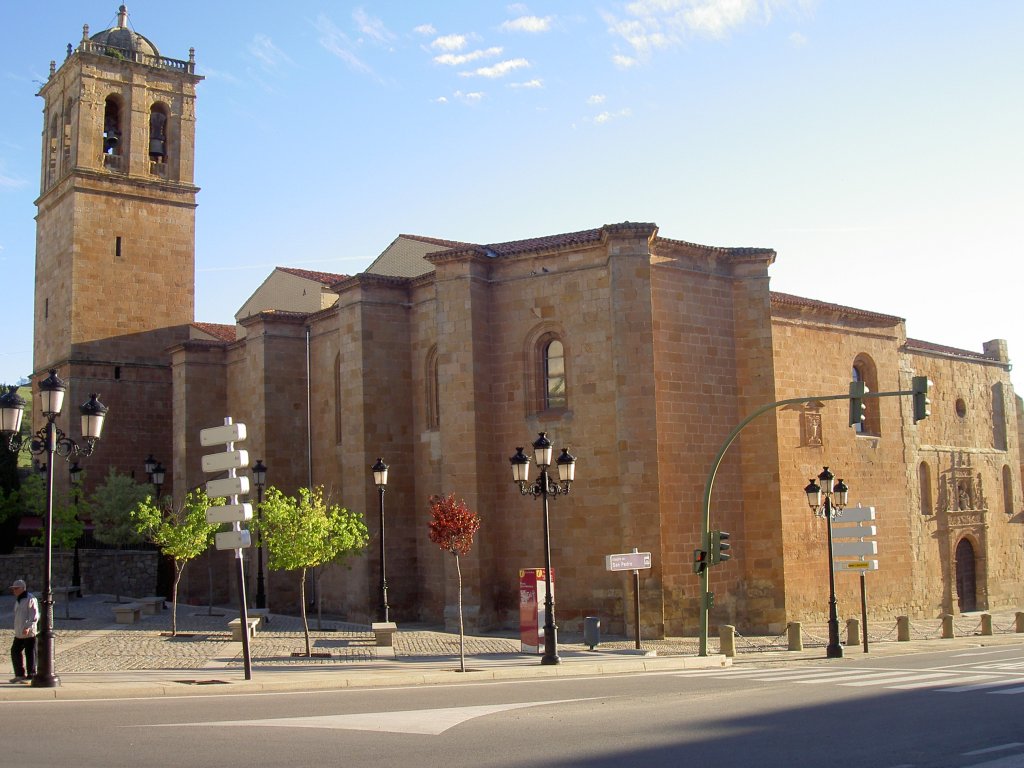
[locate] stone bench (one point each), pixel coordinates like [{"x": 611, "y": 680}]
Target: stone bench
[
  {"x": 384, "y": 633},
  {"x": 65, "y": 593},
  {"x": 151, "y": 605},
  {"x": 263, "y": 614},
  {"x": 236, "y": 627},
  {"x": 128, "y": 613}
]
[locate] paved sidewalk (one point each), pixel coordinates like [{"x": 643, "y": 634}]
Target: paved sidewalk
[{"x": 97, "y": 658}]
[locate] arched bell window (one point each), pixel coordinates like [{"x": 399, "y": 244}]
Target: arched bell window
[
  {"x": 555, "y": 395},
  {"x": 158, "y": 121},
  {"x": 112, "y": 127}
]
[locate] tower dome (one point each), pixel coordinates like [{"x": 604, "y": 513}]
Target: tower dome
[{"x": 124, "y": 39}]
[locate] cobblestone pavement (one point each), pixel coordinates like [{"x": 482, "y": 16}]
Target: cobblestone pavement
[{"x": 89, "y": 641}]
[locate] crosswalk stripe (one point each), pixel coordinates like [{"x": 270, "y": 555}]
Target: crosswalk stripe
[
  {"x": 900, "y": 679},
  {"x": 936, "y": 683},
  {"x": 1010, "y": 691},
  {"x": 978, "y": 686}
]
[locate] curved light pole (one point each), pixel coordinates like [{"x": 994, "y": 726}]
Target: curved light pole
[
  {"x": 544, "y": 487},
  {"x": 380, "y": 479},
  {"x": 827, "y": 500},
  {"x": 259, "y": 478},
  {"x": 51, "y": 440}
]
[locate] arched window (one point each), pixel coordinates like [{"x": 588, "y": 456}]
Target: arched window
[
  {"x": 555, "y": 394},
  {"x": 864, "y": 370},
  {"x": 52, "y": 150},
  {"x": 1007, "y": 490},
  {"x": 158, "y": 120},
  {"x": 66, "y": 152},
  {"x": 112, "y": 127},
  {"x": 432, "y": 398},
  {"x": 998, "y": 417},
  {"x": 924, "y": 481}
]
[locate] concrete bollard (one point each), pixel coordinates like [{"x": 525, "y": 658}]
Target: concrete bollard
[
  {"x": 947, "y": 626},
  {"x": 986, "y": 624},
  {"x": 727, "y": 639},
  {"x": 1020, "y": 622},
  {"x": 853, "y": 632},
  {"x": 796, "y": 637},
  {"x": 903, "y": 629}
]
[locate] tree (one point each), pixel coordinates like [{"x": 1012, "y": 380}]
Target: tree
[
  {"x": 182, "y": 533},
  {"x": 452, "y": 527},
  {"x": 111, "y": 507},
  {"x": 305, "y": 532}
]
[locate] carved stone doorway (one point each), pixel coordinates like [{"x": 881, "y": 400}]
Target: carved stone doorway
[{"x": 965, "y": 577}]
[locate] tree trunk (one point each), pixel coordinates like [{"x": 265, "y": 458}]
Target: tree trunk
[
  {"x": 178, "y": 570},
  {"x": 462, "y": 633},
  {"x": 305, "y": 622}
]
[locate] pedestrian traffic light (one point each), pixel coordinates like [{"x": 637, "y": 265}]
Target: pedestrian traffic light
[
  {"x": 922, "y": 403},
  {"x": 719, "y": 547},
  {"x": 858, "y": 410},
  {"x": 700, "y": 561}
]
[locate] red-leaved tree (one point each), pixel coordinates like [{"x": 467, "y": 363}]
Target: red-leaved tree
[{"x": 452, "y": 527}]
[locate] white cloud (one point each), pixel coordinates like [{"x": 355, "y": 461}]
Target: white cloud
[
  {"x": 449, "y": 43},
  {"x": 372, "y": 27},
  {"x": 9, "y": 182},
  {"x": 425, "y": 29},
  {"x": 473, "y": 97},
  {"x": 797, "y": 40},
  {"x": 456, "y": 59},
  {"x": 597, "y": 98},
  {"x": 624, "y": 62},
  {"x": 338, "y": 44},
  {"x": 262, "y": 48},
  {"x": 500, "y": 69},
  {"x": 535, "y": 83},
  {"x": 441, "y": 100},
  {"x": 527, "y": 24},
  {"x": 604, "y": 117}
]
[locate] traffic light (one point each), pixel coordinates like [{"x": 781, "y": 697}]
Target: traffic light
[
  {"x": 719, "y": 547},
  {"x": 700, "y": 561},
  {"x": 922, "y": 403},
  {"x": 858, "y": 410}
]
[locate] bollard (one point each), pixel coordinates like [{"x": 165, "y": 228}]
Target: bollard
[
  {"x": 903, "y": 629},
  {"x": 986, "y": 624},
  {"x": 796, "y": 637},
  {"x": 947, "y": 626},
  {"x": 1020, "y": 622},
  {"x": 727, "y": 639},
  {"x": 591, "y": 631},
  {"x": 852, "y": 632}
]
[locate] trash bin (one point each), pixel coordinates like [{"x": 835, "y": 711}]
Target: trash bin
[{"x": 591, "y": 631}]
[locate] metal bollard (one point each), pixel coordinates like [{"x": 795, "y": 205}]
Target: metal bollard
[
  {"x": 853, "y": 632},
  {"x": 591, "y": 631},
  {"x": 796, "y": 637},
  {"x": 903, "y": 629},
  {"x": 727, "y": 639},
  {"x": 947, "y": 626},
  {"x": 986, "y": 624}
]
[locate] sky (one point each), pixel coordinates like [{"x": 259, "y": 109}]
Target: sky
[{"x": 876, "y": 145}]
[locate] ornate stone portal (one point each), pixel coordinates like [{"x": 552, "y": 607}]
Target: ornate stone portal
[{"x": 962, "y": 534}]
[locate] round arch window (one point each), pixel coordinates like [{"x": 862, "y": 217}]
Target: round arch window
[{"x": 961, "y": 407}]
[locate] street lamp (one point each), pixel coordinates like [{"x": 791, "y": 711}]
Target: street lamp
[
  {"x": 544, "y": 486},
  {"x": 380, "y": 479},
  {"x": 51, "y": 440},
  {"x": 259, "y": 478},
  {"x": 75, "y": 475},
  {"x": 827, "y": 500},
  {"x": 157, "y": 479}
]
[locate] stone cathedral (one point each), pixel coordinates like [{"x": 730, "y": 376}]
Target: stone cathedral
[{"x": 638, "y": 352}]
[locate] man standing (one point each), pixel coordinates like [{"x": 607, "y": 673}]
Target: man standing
[{"x": 26, "y": 620}]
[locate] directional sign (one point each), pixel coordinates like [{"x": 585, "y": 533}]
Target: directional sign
[
  {"x": 229, "y": 433},
  {"x": 857, "y": 515},
  {"x": 221, "y": 462},
  {"x": 854, "y": 532},
  {"x": 855, "y": 565},
  {"x": 229, "y": 513},
  {"x": 233, "y": 540},
  {"x": 227, "y": 486},
  {"x": 854, "y": 548},
  {"x": 630, "y": 561}
]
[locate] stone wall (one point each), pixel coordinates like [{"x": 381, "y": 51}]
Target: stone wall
[{"x": 99, "y": 568}]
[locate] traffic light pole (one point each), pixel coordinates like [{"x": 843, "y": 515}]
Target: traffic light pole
[{"x": 705, "y": 594}]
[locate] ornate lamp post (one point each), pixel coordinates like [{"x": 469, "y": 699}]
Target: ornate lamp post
[
  {"x": 75, "y": 475},
  {"x": 51, "y": 440},
  {"x": 380, "y": 479},
  {"x": 157, "y": 479},
  {"x": 827, "y": 500},
  {"x": 259, "y": 478},
  {"x": 544, "y": 486}
]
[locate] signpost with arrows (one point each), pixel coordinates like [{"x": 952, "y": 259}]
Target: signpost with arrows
[
  {"x": 234, "y": 512},
  {"x": 853, "y": 541}
]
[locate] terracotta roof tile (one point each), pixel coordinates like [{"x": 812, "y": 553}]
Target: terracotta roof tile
[
  {"x": 325, "y": 278},
  {"x": 927, "y": 346},
  {"x": 788, "y": 299},
  {"x": 219, "y": 331}
]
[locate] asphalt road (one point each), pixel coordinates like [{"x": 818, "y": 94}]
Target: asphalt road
[{"x": 947, "y": 708}]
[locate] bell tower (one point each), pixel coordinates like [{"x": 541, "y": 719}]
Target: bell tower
[{"x": 115, "y": 228}]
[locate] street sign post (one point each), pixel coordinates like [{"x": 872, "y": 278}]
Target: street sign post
[
  {"x": 852, "y": 541},
  {"x": 631, "y": 561}
]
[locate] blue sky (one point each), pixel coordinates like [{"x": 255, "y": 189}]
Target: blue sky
[{"x": 876, "y": 146}]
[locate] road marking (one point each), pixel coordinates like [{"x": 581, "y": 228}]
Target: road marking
[
  {"x": 886, "y": 682},
  {"x": 1010, "y": 691},
  {"x": 937, "y": 683},
  {"x": 978, "y": 686},
  {"x": 428, "y": 722},
  {"x": 997, "y": 748}
]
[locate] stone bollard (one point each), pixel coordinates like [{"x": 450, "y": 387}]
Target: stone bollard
[
  {"x": 947, "y": 626},
  {"x": 986, "y": 624},
  {"x": 903, "y": 629},
  {"x": 1020, "y": 622},
  {"x": 727, "y": 639},
  {"x": 796, "y": 637},
  {"x": 853, "y": 632}
]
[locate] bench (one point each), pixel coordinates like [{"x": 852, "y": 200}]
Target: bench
[
  {"x": 128, "y": 613},
  {"x": 263, "y": 614},
  {"x": 151, "y": 605},
  {"x": 236, "y": 627},
  {"x": 384, "y": 633},
  {"x": 65, "y": 593}
]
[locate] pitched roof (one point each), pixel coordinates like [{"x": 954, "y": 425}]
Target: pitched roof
[
  {"x": 789, "y": 300},
  {"x": 325, "y": 278},
  {"x": 941, "y": 349},
  {"x": 218, "y": 331}
]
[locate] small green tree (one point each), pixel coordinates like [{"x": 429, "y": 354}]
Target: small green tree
[
  {"x": 305, "y": 532},
  {"x": 111, "y": 506},
  {"x": 182, "y": 533},
  {"x": 452, "y": 527}
]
